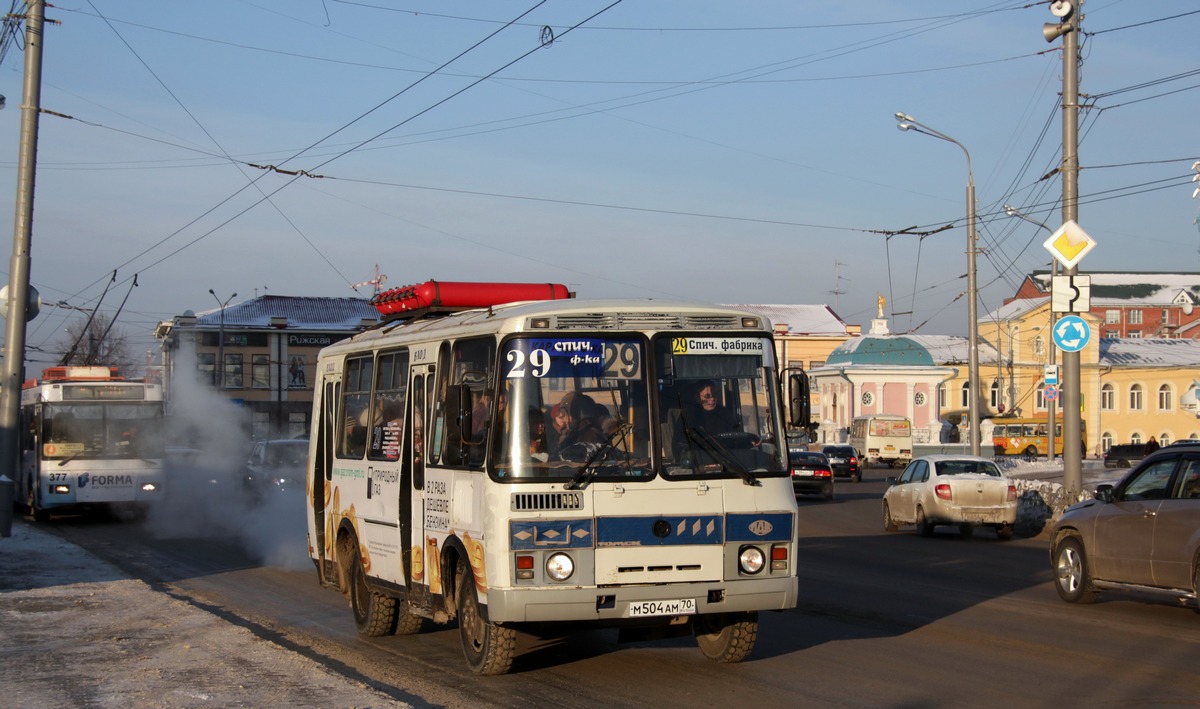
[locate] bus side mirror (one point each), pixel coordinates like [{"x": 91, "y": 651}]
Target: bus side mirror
[{"x": 799, "y": 412}]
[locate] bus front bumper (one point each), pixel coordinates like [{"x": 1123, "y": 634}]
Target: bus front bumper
[{"x": 542, "y": 604}]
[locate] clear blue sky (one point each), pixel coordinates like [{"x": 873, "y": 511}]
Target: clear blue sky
[{"x": 729, "y": 152}]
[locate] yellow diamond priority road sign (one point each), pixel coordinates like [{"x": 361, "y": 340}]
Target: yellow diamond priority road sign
[{"x": 1070, "y": 244}]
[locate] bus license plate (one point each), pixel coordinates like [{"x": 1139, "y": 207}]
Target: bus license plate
[{"x": 678, "y": 606}]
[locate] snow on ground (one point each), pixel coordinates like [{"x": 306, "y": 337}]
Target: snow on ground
[{"x": 78, "y": 632}]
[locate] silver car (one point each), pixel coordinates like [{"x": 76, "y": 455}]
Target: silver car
[
  {"x": 962, "y": 490},
  {"x": 1142, "y": 534}
]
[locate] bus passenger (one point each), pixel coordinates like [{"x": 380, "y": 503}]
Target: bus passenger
[{"x": 537, "y": 435}]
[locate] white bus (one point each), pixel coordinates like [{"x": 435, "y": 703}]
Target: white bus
[
  {"x": 540, "y": 462},
  {"x": 89, "y": 439},
  {"x": 882, "y": 438}
]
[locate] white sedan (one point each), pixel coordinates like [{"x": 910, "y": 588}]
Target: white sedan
[{"x": 962, "y": 490}]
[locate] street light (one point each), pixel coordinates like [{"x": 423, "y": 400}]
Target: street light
[
  {"x": 907, "y": 123},
  {"x": 1050, "y": 447},
  {"x": 221, "y": 340}
]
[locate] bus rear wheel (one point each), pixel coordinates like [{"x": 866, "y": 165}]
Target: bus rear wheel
[
  {"x": 726, "y": 637},
  {"x": 374, "y": 613},
  {"x": 488, "y": 647}
]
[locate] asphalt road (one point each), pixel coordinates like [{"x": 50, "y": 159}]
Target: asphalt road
[{"x": 884, "y": 620}]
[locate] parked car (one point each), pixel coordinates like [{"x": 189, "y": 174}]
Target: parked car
[
  {"x": 811, "y": 474},
  {"x": 963, "y": 490},
  {"x": 1124, "y": 455},
  {"x": 276, "y": 464},
  {"x": 1143, "y": 534},
  {"x": 844, "y": 461}
]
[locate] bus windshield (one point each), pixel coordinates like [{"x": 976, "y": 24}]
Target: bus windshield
[
  {"x": 716, "y": 416},
  {"x": 103, "y": 430},
  {"x": 575, "y": 408}
]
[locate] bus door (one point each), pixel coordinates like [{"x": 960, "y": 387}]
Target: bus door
[
  {"x": 322, "y": 515},
  {"x": 412, "y": 507}
]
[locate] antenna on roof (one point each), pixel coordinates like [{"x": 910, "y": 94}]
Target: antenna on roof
[{"x": 376, "y": 283}]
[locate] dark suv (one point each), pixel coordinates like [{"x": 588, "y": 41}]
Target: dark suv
[
  {"x": 1124, "y": 455},
  {"x": 844, "y": 461}
]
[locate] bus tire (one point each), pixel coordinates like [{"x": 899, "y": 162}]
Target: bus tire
[
  {"x": 487, "y": 647},
  {"x": 726, "y": 637},
  {"x": 374, "y": 613},
  {"x": 407, "y": 622}
]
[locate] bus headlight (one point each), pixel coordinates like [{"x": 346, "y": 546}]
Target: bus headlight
[
  {"x": 751, "y": 560},
  {"x": 559, "y": 566}
]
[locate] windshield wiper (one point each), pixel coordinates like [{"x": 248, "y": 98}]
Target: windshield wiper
[
  {"x": 720, "y": 453},
  {"x": 591, "y": 466}
]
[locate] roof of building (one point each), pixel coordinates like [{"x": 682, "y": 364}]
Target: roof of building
[
  {"x": 1135, "y": 352},
  {"x": 1127, "y": 287},
  {"x": 800, "y": 319},
  {"x": 875, "y": 350},
  {"x": 302, "y": 312}
]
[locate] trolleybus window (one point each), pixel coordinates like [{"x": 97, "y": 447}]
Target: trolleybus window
[
  {"x": 715, "y": 415},
  {"x": 577, "y": 408},
  {"x": 101, "y": 430}
]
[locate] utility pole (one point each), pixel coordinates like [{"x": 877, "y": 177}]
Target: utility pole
[
  {"x": 1070, "y": 13},
  {"x": 18, "y": 311}
]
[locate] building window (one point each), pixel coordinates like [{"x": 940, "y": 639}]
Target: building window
[
  {"x": 233, "y": 371},
  {"x": 1164, "y": 439},
  {"x": 1112, "y": 317},
  {"x": 1106, "y": 441},
  {"x": 1108, "y": 398},
  {"x": 1039, "y": 347},
  {"x": 1040, "y": 396},
  {"x": 1135, "y": 335},
  {"x": 816, "y": 363},
  {"x": 867, "y": 398},
  {"x": 1112, "y": 333},
  {"x": 1135, "y": 398},
  {"x": 297, "y": 424},
  {"x": 260, "y": 424},
  {"x": 1165, "y": 399},
  {"x": 1135, "y": 317},
  {"x": 919, "y": 398},
  {"x": 965, "y": 396},
  {"x": 206, "y": 364},
  {"x": 995, "y": 394},
  {"x": 941, "y": 396},
  {"x": 1136, "y": 438},
  {"x": 260, "y": 372}
]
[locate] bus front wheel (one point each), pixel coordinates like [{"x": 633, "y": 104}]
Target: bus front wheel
[
  {"x": 488, "y": 647},
  {"x": 726, "y": 637}
]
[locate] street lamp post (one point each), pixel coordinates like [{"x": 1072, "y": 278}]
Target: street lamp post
[
  {"x": 907, "y": 123},
  {"x": 1050, "y": 445},
  {"x": 221, "y": 340}
]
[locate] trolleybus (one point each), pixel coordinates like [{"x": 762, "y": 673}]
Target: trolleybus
[
  {"x": 555, "y": 461},
  {"x": 1030, "y": 436},
  {"x": 882, "y": 438},
  {"x": 89, "y": 438}
]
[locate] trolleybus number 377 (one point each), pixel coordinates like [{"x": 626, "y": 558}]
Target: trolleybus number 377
[{"x": 679, "y": 606}]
